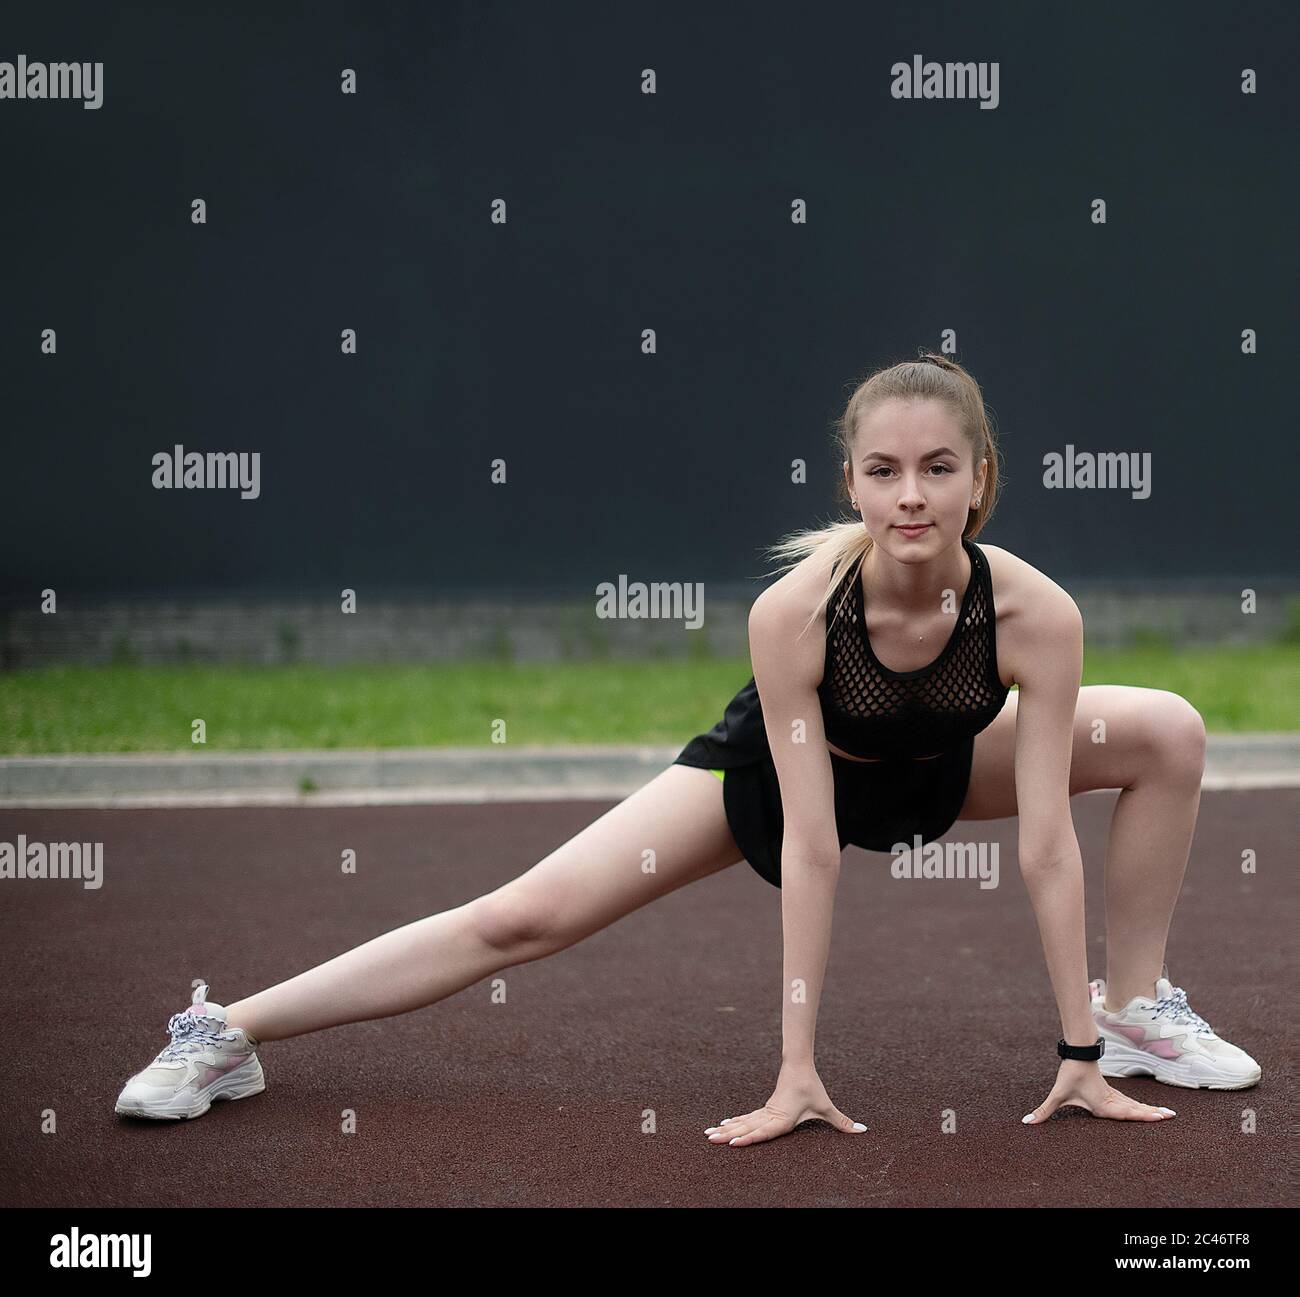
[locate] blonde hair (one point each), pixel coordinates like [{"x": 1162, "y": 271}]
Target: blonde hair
[{"x": 840, "y": 545}]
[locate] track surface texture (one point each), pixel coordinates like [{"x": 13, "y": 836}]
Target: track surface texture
[{"x": 937, "y": 999}]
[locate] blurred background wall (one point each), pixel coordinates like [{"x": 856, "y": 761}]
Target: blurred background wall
[{"x": 522, "y": 343}]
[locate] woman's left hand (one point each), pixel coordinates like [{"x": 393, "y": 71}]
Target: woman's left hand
[{"x": 1081, "y": 1085}]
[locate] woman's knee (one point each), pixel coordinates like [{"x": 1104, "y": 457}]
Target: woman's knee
[
  {"x": 1176, "y": 736},
  {"x": 517, "y": 923}
]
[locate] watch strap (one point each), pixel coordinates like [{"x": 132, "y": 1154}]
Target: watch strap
[{"x": 1081, "y": 1053}]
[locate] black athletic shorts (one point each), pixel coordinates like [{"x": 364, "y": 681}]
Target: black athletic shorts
[{"x": 877, "y": 803}]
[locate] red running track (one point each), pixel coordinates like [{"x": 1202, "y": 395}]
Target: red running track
[{"x": 937, "y": 998}]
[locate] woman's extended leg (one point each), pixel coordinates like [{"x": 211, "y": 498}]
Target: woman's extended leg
[{"x": 668, "y": 833}]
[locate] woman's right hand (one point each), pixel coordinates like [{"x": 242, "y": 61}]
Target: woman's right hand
[{"x": 799, "y": 1096}]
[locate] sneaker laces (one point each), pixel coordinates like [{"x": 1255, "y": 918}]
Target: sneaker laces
[
  {"x": 1179, "y": 1010},
  {"x": 189, "y": 1032}
]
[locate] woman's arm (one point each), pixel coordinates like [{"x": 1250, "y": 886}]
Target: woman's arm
[
  {"x": 1049, "y": 670},
  {"x": 788, "y": 661},
  {"x": 1048, "y": 666},
  {"x": 787, "y": 670}
]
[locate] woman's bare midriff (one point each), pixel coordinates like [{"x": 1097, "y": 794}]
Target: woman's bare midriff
[{"x": 847, "y": 757}]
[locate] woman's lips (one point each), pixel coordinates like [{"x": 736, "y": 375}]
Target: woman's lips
[{"x": 919, "y": 530}]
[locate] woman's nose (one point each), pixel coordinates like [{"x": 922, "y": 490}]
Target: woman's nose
[{"x": 911, "y": 493}]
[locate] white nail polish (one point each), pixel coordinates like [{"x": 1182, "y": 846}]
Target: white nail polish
[
  {"x": 857, "y": 1125},
  {"x": 1029, "y": 1116},
  {"x": 732, "y": 1141}
]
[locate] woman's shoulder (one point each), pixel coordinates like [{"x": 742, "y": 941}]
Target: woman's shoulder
[
  {"x": 1019, "y": 587},
  {"x": 787, "y": 628},
  {"x": 793, "y": 599},
  {"x": 1031, "y": 611}
]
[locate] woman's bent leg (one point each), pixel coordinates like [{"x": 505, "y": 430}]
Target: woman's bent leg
[{"x": 665, "y": 835}]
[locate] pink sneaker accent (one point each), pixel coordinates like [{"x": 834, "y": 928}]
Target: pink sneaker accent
[
  {"x": 209, "y": 1073},
  {"x": 1161, "y": 1048}
]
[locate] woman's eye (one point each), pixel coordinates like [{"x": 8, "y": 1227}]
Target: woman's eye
[{"x": 884, "y": 468}]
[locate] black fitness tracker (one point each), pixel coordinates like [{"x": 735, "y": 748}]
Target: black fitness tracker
[{"x": 1082, "y": 1053}]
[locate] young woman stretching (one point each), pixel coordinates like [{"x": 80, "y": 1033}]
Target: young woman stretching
[{"x": 880, "y": 709}]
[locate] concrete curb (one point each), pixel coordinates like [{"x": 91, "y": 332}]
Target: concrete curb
[
  {"x": 342, "y": 778},
  {"x": 396, "y": 776}
]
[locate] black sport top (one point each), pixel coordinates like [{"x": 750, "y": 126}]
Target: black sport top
[{"x": 869, "y": 710}]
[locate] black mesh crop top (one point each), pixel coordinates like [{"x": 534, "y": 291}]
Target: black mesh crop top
[{"x": 870, "y": 711}]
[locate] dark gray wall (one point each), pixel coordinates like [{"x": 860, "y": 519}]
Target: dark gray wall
[{"x": 629, "y": 211}]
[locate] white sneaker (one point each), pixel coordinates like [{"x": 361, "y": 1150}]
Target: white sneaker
[
  {"x": 1164, "y": 1038},
  {"x": 203, "y": 1062}
]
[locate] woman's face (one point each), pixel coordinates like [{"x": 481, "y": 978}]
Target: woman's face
[{"x": 912, "y": 467}]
